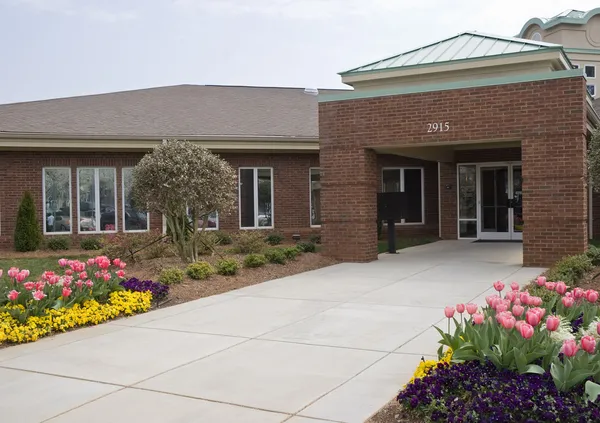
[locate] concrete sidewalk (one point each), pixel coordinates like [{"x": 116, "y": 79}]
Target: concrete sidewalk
[{"x": 333, "y": 344}]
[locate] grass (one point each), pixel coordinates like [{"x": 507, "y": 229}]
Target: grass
[
  {"x": 401, "y": 243},
  {"x": 36, "y": 265}
]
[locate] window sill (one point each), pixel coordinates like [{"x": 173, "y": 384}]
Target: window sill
[
  {"x": 58, "y": 233},
  {"x": 256, "y": 228}
]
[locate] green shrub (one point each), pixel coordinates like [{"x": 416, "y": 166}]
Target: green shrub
[
  {"x": 199, "y": 270},
  {"x": 158, "y": 249},
  {"x": 208, "y": 242},
  {"x": 315, "y": 239},
  {"x": 275, "y": 255},
  {"x": 542, "y": 292},
  {"x": 570, "y": 269},
  {"x": 227, "y": 267},
  {"x": 291, "y": 252},
  {"x": 28, "y": 234},
  {"x": 171, "y": 275},
  {"x": 249, "y": 242},
  {"x": 306, "y": 247},
  {"x": 90, "y": 243},
  {"x": 57, "y": 243},
  {"x": 274, "y": 239},
  {"x": 223, "y": 238},
  {"x": 125, "y": 246},
  {"x": 593, "y": 254},
  {"x": 255, "y": 260}
]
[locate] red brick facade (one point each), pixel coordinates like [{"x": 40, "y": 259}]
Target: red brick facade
[
  {"x": 20, "y": 171},
  {"x": 548, "y": 118}
]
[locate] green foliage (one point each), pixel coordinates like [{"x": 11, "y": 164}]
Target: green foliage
[
  {"x": 545, "y": 294},
  {"x": 28, "y": 234},
  {"x": 255, "y": 260},
  {"x": 315, "y": 239},
  {"x": 306, "y": 247},
  {"x": 274, "y": 239},
  {"x": 593, "y": 254},
  {"x": 593, "y": 159},
  {"x": 227, "y": 267},
  {"x": 249, "y": 242},
  {"x": 572, "y": 371},
  {"x": 275, "y": 255},
  {"x": 125, "y": 246},
  {"x": 570, "y": 269},
  {"x": 199, "y": 270},
  {"x": 90, "y": 243},
  {"x": 207, "y": 241},
  {"x": 171, "y": 275},
  {"x": 223, "y": 238},
  {"x": 57, "y": 243},
  {"x": 291, "y": 252}
]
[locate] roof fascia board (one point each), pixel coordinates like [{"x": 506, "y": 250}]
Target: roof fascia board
[{"x": 503, "y": 80}]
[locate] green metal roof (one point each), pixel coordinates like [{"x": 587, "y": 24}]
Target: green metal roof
[
  {"x": 467, "y": 45},
  {"x": 570, "y": 16}
]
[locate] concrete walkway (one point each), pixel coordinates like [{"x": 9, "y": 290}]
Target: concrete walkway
[{"x": 333, "y": 344}]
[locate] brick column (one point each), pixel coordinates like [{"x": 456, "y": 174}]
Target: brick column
[
  {"x": 349, "y": 203},
  {"x": 448, "y": 200},
  {"x": 555, "y": 197}
]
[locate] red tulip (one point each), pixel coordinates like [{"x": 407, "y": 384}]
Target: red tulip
[
  {"x": 561, "y": 288},
  {"x": 551, "y": 285},
  {"x": 591, "y": 295},
  {"x": 449, "y": 312},
  {"x": 532, "y": 318},
  {"x": 498, "y": 286},
  {"x": 588, "y": 344},
  {"x": 552, "y": 323},
  {"x": 570, "y": 348},
  {"x": 526, "y": 330},
  {"x": 578, "y": 293},
  {"x": 471, "y": 308},
  {"x": 478, "y": 318},
  {"x": 541, "y": 280},
  {"x": 459, "y": 307}
]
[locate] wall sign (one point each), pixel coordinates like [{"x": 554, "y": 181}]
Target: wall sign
[{"x": 438, "y": 127}]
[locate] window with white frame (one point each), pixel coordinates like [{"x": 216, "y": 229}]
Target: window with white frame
[
  {"x": 590, "y": 71},
  {"x": 256, "y": 198},
  {"x": 135, "y": 219},
  {"x": 315, "y": 196},
  {"x": 410, "y": 181},
  {"x": 212, "y": 223},
  {"x": 97, "y": 199},
  {"x": 57, "y": 200},
  {"x": 591, "y": 89}
]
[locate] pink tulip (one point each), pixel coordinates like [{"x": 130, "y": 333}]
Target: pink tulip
[
  {"x": 117, "y": 261},
  {"x": 511, "y": 296},
  {"x": 541, "y": 280},
  {"x": 1, "y": 272},
  {"x": 490, "y": 299},
  {"x": 532, "y": 318},
  {"x": 40, "y": 285},
  {"x": 498, "y": 286},
  {"x": 460, "y": 308},
  {"x": 598, "y": 328},
  {"x": 13, "y": 295},
  {"x": 83, "y": 275},
  {"x": 519, "y": 323},
  {"x": 106, "y": 276},
  {"x": 89, "y": 283},
  {"x": 91, "y": 262},
  {"x": 62, "y": 262},
  {"x": 478, "y": 318},
  {"x": 552, "y": 323},
  {"x": 122, "y": 265},
  {"x": 21, "y": 276},
  {"x": 501, "y": 307},
  {"x": 29, "y": 285},
  {"x": 578, "y": 293},
  {"x": 38, "y": 295},
  {"x": 518, "y": 310},
  {"x": 79, "y": 283},
  {"x": 98, "y": 275},
  {"x": 591, "y": 295},
  {"x": 568, "y": 301},
  {"x": 66, "y": 292},
  {"x": 514, "y": 286},
  {"x": 53, "y": 280},
  {"x": 524, "y": 297},
  {"x": 449, "y": 312},
  {"x": 561, "y": 288},
  {"x": 12, "y": 272},
  {"x": 526, "y": 330},
  {"x": 508, "y": 322},
  {"x": 570, "y": 348},
  {"x": 517, "y": 302},
  {"x": 588, "y": 344},
  {"x": 69, "y": 272},
  {"x": 471, "y": 308},
  {"x": 535, "y": 301},
  {"x": 70, "y": 263},
  {"x": 550, "y": 285}
]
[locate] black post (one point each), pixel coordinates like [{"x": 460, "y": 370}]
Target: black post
[{"x": 391, "y": 236}]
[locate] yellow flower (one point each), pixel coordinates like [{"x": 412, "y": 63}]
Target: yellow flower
[{"x": 425, "y": 366}]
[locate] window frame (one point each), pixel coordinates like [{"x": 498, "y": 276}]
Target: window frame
[
  {"x": 401, "y": 169},
  {"x": 255, "y": 182},
  {"x": 97, "y": 200},
  {"x": 125, "y": 230},
  {"x": 207, "y": 228},
  {"x": 594, "y": 89},
  {"x": 310, "y": 169},
  {"x": 585, "y": 71},
  {"x": 70, "y": 232}
]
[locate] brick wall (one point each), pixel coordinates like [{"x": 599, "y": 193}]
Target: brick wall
[
  {"x": 20, "y": 171},
  {"x": 547, "y": 117}
]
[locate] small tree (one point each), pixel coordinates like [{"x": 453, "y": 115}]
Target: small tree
[
  {"x": 185, "y": 183},
  {"x": 28, "y": 235},
  {"x": 594, "y": 160}
]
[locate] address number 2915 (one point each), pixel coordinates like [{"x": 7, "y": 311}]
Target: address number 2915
[{"x": 438, "y": 126}]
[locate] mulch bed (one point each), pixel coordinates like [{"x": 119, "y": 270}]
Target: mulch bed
[{"x": 392, "y": 412}]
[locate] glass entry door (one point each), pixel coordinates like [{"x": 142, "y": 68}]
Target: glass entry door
[{"x": 500, "y": 202}]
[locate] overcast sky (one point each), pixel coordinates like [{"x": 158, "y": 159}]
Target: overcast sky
[{"x": 59, "y": 48}]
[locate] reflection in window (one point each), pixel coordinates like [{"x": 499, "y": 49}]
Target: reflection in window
[
  {"x": 57, "y": 200},
  {"x": 134, "y": 218},
  {"x": 315, "y": 197},
  {"x": 97, "y": 200},
  {"x": 410, "y": 181},
  {"x": 256, "y": 198}
]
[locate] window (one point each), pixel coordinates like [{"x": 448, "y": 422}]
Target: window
[
  {"x": 536, "y": 36},
  {"x": 591, "y": 89},
  {"x": 256, "y": 197},
  {"x": 135, "y": 219},
  {"x": 315, "y": 197},
  {"x": 410, "y": 181},
  {"x": 97, "y": 198},
  {"x": 467, "y": 201},
  {"x": 57, "y": 200},
  {"x": 590, "y": 71},
  {"x": 211, "y": 225}
]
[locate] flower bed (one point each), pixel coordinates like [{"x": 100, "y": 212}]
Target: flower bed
[
  {"x": 522, "y": 358},
  {"x": 83, "y": 293}
]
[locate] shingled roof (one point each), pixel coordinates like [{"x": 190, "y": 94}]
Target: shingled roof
[{"x": 176, "y": 111}]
